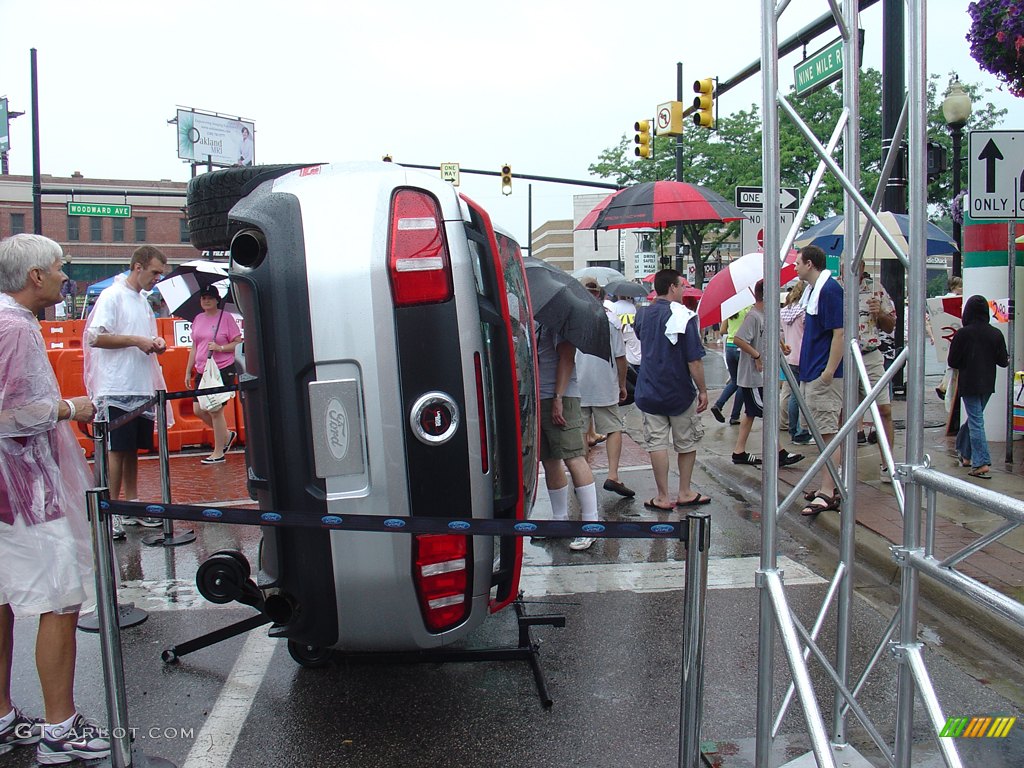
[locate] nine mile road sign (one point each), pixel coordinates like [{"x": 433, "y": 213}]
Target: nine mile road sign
[{"x": 996, "y": 174}]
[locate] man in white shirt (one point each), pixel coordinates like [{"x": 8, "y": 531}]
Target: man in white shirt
[{"x": 121, "y": 373}]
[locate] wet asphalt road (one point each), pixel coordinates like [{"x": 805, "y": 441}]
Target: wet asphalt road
[{"x": 613, "y": 670}]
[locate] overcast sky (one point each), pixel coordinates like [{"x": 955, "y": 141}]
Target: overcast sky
[{"x": 544, "y": 86}]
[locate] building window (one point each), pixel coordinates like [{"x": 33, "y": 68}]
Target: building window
[
  {"x": 73, "y": 228},
  {"x": 118, "y": 230},
  {"x": 17, "y": 223},
  {"x": 96, "y": 227},
  {"x": 183, "y": 230},
  {"x": 140, "y": 229}
]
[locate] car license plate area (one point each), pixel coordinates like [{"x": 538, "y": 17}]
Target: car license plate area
[{"x": 336, "y": 422}]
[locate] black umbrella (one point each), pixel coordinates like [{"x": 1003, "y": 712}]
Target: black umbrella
[
  {"x": 181, "y": 287},
  {"x": 625, "y": 288},
  {"x": 564, "y": 306}
]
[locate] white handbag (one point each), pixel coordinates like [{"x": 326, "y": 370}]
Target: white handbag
[{"x": 212, "y": 380}]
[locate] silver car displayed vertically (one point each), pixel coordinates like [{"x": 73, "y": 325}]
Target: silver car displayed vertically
[{"x": 390, "y": 354}]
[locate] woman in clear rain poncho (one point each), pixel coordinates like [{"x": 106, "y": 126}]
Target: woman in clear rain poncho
[{"x": 45, "y": 552}]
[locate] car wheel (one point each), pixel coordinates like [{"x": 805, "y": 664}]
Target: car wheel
[
  {"x": 211, "y": 195},
  {"x": 309, "y": 656}
]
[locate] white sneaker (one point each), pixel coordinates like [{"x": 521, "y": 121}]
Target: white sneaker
[
  {"x": 118, "y": 529},
  {"x": 581, "y": 542}
]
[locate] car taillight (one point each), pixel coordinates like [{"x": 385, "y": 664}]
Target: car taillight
[
  {"x": 442, "y": 579},
  {"x": 418, "y": 259}
]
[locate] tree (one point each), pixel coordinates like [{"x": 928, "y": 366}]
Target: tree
[{"x": 731, "y": 155}]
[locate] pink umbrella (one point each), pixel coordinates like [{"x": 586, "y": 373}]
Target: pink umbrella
[{"x": 732, "y": 289}]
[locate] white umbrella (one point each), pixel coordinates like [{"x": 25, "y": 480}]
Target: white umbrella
[{"x": 603, "y": 275}]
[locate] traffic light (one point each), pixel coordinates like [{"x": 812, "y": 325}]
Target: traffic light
[
  {"x": 937, "y": 158},
  {"x": 704, "y": 103},
  {"x": 387, "y": 158},
  {"x": 642, "y": 138},
  {"x": 506, "y": 179}
]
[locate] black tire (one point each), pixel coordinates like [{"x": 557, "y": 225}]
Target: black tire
[
  {"x": 309, "y": 656},
  {"x": 211, "y": 195}
]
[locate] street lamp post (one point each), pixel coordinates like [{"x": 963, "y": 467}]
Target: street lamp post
[{"x": 956, "y": 109}]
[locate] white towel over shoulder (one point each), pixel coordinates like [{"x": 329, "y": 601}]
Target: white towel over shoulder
[
  {"x": 809, "y": 300},
  {"x": 677, "y": 321}
]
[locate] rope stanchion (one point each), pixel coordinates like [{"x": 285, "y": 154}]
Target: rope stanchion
[
  {"x": 128, "y": 615},
  {"x": 122, "y": 754},
  {"x": 691, "y": 700},
  {"x": 166, "y": 537}
]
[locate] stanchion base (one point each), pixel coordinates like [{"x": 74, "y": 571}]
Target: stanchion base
[
  {"x": 139, "y": 760},
  {"x": 127, "y": 616},
  {"x": 159, "y": 540}
]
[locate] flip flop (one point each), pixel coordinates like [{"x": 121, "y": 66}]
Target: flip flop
[
  {"x": 696, "y": 501},
  {"x": 831, "y": 504},
  {"x": 980, "y": 474},
  {"x": 649, "y": 504}
]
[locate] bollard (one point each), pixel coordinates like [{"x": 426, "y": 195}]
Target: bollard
[
  {"x": 166, "y": 537},
  {"x": 698, "y": 544}
]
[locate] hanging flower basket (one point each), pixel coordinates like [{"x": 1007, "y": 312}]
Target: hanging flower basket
[{"x": 997, "y": 40}]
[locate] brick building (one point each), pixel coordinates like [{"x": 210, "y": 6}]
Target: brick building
[{"x": 100, "y": 246}]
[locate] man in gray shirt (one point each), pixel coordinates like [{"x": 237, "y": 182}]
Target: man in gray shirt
[{"x": 750, "y": 380}]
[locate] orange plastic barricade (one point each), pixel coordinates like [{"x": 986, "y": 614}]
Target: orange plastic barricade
[
  {"x": 66, "y": 334},
  {"x": 188, "y": 428},
  {"x": 67, "y": 366}
]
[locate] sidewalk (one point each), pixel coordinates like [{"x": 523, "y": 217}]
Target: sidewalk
[{"x": 880, "y": 524}]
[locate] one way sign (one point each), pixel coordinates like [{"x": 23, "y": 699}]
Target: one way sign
[{"x": 996, "y": 174}]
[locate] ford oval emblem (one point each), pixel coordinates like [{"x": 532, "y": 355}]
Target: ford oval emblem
[
  {"x": 593, "y": 528},
  {"x": 525, "y": 527},
  {"x": 458, "y": 525},
  {"x": 393, "y": 522},
  {"x": 104, "y": 505},
  {"x": 156, "y": 509},
  {"x": 212, "y": 513},
  {"x": 270, "y": 517},
  {"x": 336, "y": 428},
  {"x": 330, "y": 520},
  {"x": 662, "y": 528}
]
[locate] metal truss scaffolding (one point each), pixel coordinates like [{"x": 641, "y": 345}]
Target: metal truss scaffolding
[{"x": 912, "y": 479}]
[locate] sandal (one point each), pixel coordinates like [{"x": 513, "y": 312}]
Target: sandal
[
  {"x": 831, "y": 503},
  {"x": 698, "y": 500},
  {"x": 981, "y": 473},
  {"x": 746, "y": 458},
  {"x": 649, "y": 504}
]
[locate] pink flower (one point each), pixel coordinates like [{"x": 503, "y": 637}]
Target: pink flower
[{"x": 1001, "y": 36}]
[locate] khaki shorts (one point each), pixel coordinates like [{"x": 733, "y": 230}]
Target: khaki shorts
[
  {"x": 558, "y": 442},
  {"x": 607, "y": 419},
  {"x": 825, "y": 402},
  {"x": 686, "y": 430},
  {"x": 874, "y": 362}
]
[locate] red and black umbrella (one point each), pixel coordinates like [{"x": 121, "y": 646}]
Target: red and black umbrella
[{"x": 660, "y": 204}]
